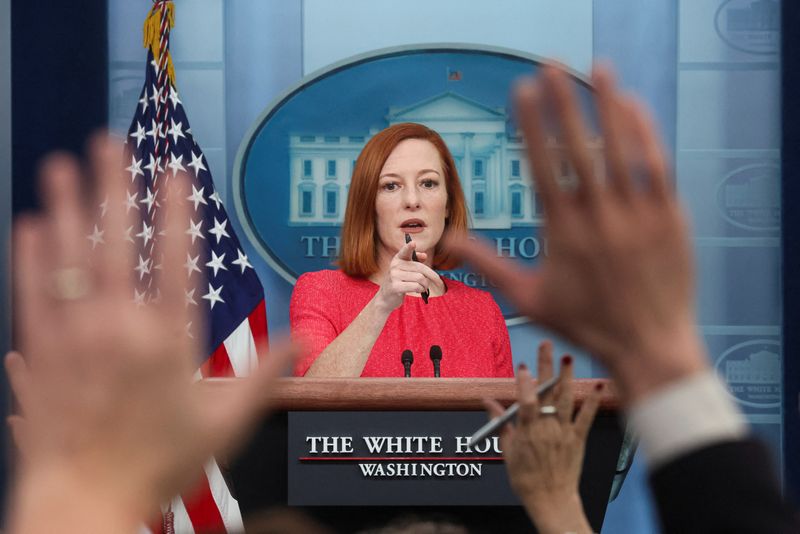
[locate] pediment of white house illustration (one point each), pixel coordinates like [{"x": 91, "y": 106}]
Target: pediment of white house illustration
[{"x": 447, "y": 107}]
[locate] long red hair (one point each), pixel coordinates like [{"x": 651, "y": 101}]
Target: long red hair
[{"x": 359, "y": 246}]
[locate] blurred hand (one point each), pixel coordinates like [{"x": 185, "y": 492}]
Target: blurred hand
[
  {"x": 544, "y": 452},
  {"x": 106, "y": 386},
  {"x": 407, "y": 276},
  {"x": 618, "y": 276}
]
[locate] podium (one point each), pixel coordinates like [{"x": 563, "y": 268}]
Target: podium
[{"x": 356, "y": 453}]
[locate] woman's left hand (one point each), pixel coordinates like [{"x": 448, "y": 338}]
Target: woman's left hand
[{"x": 544, "y": 450}]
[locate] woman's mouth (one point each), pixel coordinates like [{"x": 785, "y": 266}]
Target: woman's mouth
[{"x": 412, "y": 226}]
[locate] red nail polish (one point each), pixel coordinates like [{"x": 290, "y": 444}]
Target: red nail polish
[
  {"x": 522, "y": 367},
  {"x": 598, "y": 386},
  {"x": 566, "y": 360}
]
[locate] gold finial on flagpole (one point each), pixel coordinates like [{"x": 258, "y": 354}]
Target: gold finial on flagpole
[{"x": 160, "y": 20}]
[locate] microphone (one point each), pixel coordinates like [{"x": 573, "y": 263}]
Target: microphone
[
  {"x": 436, "y": 358},
  {"x": 407, "y": 358}
]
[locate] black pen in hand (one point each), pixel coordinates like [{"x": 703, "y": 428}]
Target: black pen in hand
[{"x": 426, "y": 293}]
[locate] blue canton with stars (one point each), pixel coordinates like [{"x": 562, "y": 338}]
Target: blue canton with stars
[{"x": 160, "y": 145}]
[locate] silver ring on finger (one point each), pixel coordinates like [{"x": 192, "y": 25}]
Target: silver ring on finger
[
  {"x": 548, "y": 409},
  {"x": 70, "y": 283}
]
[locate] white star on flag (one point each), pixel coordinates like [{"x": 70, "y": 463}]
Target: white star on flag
[
  {"x": 139, "y": 298},
  {"x": 191, "y": 264},
  {"x": 175, "y": 131},
  {"x": 96, "y": 237},
  {"x": 156, "y": 95},
  {"x": 197, "y": 197},
  {"x": 175, "y": 164},
  {"x": 138, "y": 134},
  {"x": 215, "y": 197},
  {"x": 241, "y": 261},
  {"x": 153, "y": 131},
  {"x": 219, "y": 229},
  {"x": 143, "y": 268},
  {"x": 149, "y": 200},
  {"x": 143, "y": 102},
  {"x": 130, "y": 202},
  {"x": 154, "y": 166},
  {"x": 135, "y": 168},
  {"x": 216, "y": 262},
  {"x": 146, "y": 234},
  {"x": 213, "y": 295},
  {"x": 129, "y": 234},
  {"x": 194, "y": 230},
  {"x": 173, "y": 96},
  {"x": 197, "y": 165}
]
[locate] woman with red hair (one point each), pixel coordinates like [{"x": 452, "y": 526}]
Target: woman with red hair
[{"x": 357, "y": 321}]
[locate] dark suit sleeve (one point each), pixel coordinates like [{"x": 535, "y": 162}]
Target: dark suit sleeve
[{"x": 727, "y": 487}]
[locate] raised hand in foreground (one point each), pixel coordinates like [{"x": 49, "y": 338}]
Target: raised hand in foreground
[
  {"x": 113, "y": 423},
  {"x": 618, "y": 276},
  {"x": 544, "y": 451}
]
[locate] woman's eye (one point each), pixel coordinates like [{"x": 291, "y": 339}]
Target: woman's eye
[
  {"x": 429, "y": 183},
  {"x": 390, "y": 186}
]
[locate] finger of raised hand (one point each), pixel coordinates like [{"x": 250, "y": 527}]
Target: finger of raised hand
[
  {"x": 32, "y": 303},
  {"x": 19, "y": 433},
  {"x": 495, "y": 409},
  {"x": 231, "y": 414},
  {"x": 610, "y": 114},
  {"x": 65, "y": 217},
  {"x": 572, "y": 127},
  {"x": 114, "y": 259},
  {"x": 544, "y": 368},
  {"x": 565, "y": 400},
  {"x": 526, "y": 397},
  {"x": 519, "y": 285},
  {"x": 587, "y": 412},
  {"x": 645, "y": 136},
  {"x": 528, "y": 105},
  {"x": 172, "y": 247},
  {"x": 19, "y": 379}
]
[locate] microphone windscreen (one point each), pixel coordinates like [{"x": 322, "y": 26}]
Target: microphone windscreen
[
  {"x": 436, "y": 352},
  {"x": 407, "y": 356}
]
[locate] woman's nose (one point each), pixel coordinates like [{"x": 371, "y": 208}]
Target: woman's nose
[{"x": 411, "y": 198}]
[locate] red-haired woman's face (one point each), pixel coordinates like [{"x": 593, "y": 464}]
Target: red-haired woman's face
[{"x": 411, "y": 199}]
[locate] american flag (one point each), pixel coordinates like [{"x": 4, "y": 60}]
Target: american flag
[
  {"x": 159, "y": 145},
  {"x": 453, "y": 75}
]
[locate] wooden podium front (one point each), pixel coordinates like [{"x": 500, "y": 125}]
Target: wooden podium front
[{"x": 279, "y": 467}]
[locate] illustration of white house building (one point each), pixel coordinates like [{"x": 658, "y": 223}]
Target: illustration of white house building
[
  {"x": 490, "y": 161},
  {"x": 762, "y": 367},
  {"x": 759, "y": 192}
]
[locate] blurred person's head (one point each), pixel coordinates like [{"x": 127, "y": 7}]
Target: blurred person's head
[
  {"x": 416, "y": 524},
  {"x": 283, "y": 520}
]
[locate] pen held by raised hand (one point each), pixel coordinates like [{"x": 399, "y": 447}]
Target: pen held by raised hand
[{"x": 496, "y": 423}]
